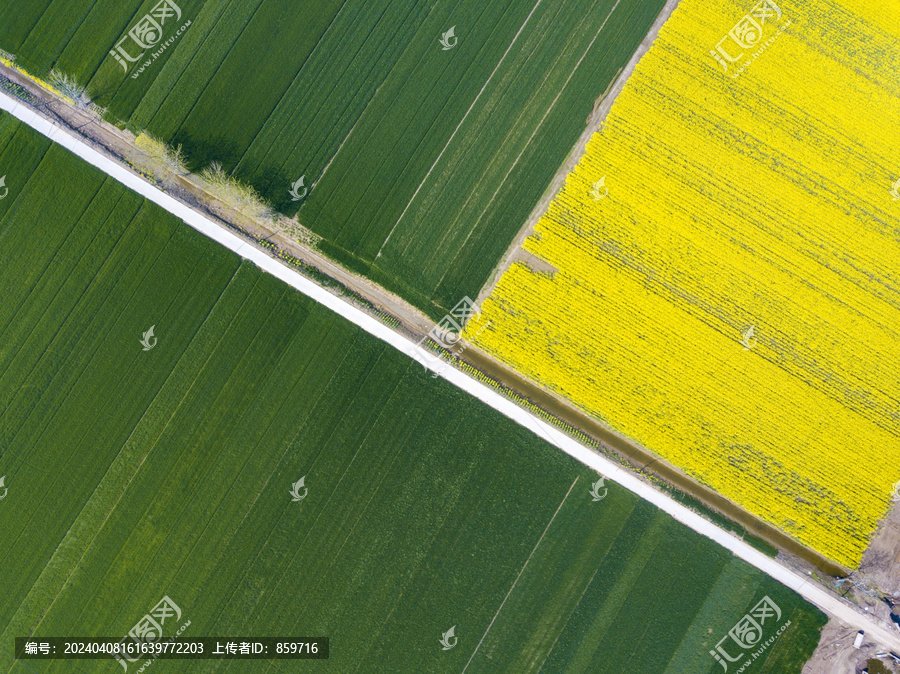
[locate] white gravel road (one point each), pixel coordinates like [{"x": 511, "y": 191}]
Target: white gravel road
[{"x": 807, "y": 588}]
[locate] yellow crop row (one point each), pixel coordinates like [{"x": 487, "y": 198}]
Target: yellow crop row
[{"x": 757, "y": 196}]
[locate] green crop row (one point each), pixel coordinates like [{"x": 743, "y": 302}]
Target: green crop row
[
  {"x": 424, "y": 163},
  {"x": 134, "y": 474}
]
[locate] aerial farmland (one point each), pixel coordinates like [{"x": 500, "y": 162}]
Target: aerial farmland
[
  {"x": 153, "y": 442},
  {"x": 545, "y": 336},
  {"x": 420, "y": 161},
  {"x": 738, "y": 274}
]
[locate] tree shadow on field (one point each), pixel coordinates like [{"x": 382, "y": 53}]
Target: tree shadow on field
[
  {"x": 275, "y": 185},
  {"x": 202, "y": 152}
]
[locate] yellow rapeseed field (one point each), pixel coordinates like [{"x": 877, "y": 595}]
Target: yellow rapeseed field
[{"x": 718, "y": 200}]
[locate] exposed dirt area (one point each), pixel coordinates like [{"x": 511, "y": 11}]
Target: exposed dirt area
[
  {"x": 881, "y": 562},
  {"x": 837, "y": 655},
  {"x": 536, "y": 264},
  {"x": 875, "y": 588}
]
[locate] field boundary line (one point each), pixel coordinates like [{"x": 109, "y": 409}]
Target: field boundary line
[
  {"x": 531, "y": 138},
  {"x": 521, "y": 571},
  {"x": 804, "y": 586},
  {"x": 464, "y": 117},
  {"x": 596, "y": 120}
]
